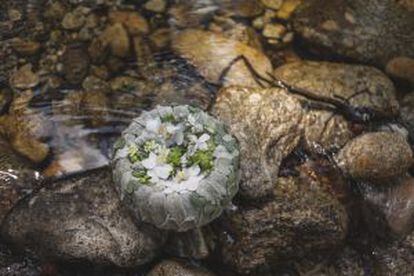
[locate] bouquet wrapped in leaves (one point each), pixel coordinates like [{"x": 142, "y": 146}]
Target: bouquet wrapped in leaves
[{"x": 176, "y": 167}]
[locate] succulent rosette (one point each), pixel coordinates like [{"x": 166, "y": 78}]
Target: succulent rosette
[{"x": 176, "y": 167}]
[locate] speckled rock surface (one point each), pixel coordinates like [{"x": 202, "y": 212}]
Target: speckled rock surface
[
  {"x": 290, "y": 226},
  {"x": 265, "y": 122},
  {"x": 355, "y": 85},
  {"x": 178, "y": 268},
  {"x": 388, "y": 212},
  {"x": 212, "y": 53},
  {"x": 372, "y": 31},
  {"x": 407, "y": 112},
  {"x": 81, "y": 219},
  {"x": 376, "y": 156}
]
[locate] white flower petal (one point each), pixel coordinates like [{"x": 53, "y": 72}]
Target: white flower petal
[
  {"x": 163, "y": 171},
  {"x": 193, "y": 171},
  {"x": 153, "y": 125},
  {"x": 150, "y": 162},
  {"x": 204, "y": 138}
]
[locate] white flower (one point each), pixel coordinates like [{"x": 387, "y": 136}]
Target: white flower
[
  {"x": 199, "y": 143},
  {"x": 177, "y": 133},
  {"x": 187, "y": 179},
  {"x": 153, "y": 125},
  {"x": 156, "y": 168}
]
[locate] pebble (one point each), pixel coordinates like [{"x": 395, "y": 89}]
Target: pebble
[
  {"x": 75, "y": 62},
  {"x": 287, "y": 8},
  {"x": 134, "y": 22},
  {"x": 25, "y": 47},
  {"x": 401, "y": 68},
  {"x": 73, "y": 20},
  {"x": 156, "y": 5},
  {"x": 273, "y": 30},
  {"x": 376, "y": 156},
  {"x": 24, "y": 78},
  {"x": 272, "y": 4},
  {"x": 118, "y": 40}
]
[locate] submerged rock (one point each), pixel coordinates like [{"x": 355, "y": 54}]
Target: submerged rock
[
  {"x": 303, "y": 219},
  {"x": 388, "y": 212},
  {"x": 212, "y": 54},
  {"x": 178, "y": 268},
  {"x": 81, "y": 219},
  {"x": 376, "y": 156},
  {"x": 266, "y": 124},
  {"x": 193, "y": 244},
  {"x": 373, "y": 31},
  {"x": 358, "y": 88}
]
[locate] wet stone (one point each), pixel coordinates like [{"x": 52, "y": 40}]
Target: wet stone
[
  {"x": 134, "y": 22},
  {"x": 401, "y": 68},
  {"x": 24, "y": 78},
  {"x": 407, "y": 112},
  {"x": 200, "y": 49},
  {"x": 265, "y": 122},
  {"x": 155, "y": 5},
  {"x": 388, "y": 212},
  {"x": 25, "y": 47},
  {"x": 73, "y": 20},
  {"x": 370, "y": 31},
  {"x": 75, "y": 62},
  {"x": 354, "y": 86},
  {"x": 178, "y": 268},
  {"x": 301, "y": 220},
  {"x": 376, "y": 157},
  {"x": 81, "y": 218}
]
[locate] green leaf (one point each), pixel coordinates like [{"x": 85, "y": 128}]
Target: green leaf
[
  {"x": 133, "y": 154},
  {"x": 174, "y": 156},
  {"x": 142, "y": 176},
  {"x": 202, "y": 158},
  {"x": 169, "y": 118}
]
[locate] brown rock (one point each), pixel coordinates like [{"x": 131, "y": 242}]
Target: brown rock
[
  {"x": 178, "y": 268},
  {"x": 134, "y": 22},
  {"x": 155, "y": 5},
  {"x": 401, "y": 68},
  {"x": 117, "y": 38},
  {"x": 376, "y": 156},
  {"x": 201, "y": 49},
  {"x": 25, "y": 47},
  {"x": 24, "y": 78},
  {"x": 75, "y": 62}
]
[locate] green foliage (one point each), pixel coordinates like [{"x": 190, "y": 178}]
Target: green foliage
[
  {"x": 142, "y": 176},
  {"x": 169, "y": 118},
  {"x": 174, "y": 156},
  {"x": 149, "y": 146},
  {"x": 134, "y": 154},
  {"x": 202, "y": 158}
]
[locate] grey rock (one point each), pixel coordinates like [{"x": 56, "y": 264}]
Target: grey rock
[
  {"x": 407, "y": 112},
  {"x": 81, "y": 218},
  {"x": 266, "y": 124},
  {"x": 388, "y": 212},
  {"x": 302, "y": 219},
  {"x": 372, "y": 31},
  {"x": 178, "y": 268}
]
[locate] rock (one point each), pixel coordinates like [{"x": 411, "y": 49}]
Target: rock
[
  {"x": 161, "y": 38},
  {"x": 241, "y": 8},
  {"x": 92, "y": 83},
  {"x": 388, "y": 212},
  {"x": 134, "y": 22},
  {"x": 376, "y": 156},
  {"x": 287, "y": 8},
  {"x": 24, "y": 78},
  {"x": 25, "y": 128},
  {"x": 373, "y": 31},
  {"x": 266, "y": 124},
  {"x": 184, "y": 16},
  {"x": 407, "y": 113},
  {"x": 6, "y": 97},
  {"x": 155, "y": 5},
  {"x": 116, "y": 37},
  {"x": 75, "y": 62},
  {"x": 73, "y": 20},
  {"x": 193, "y": 244},
  {"x": 360, "y": 89},
  {"x": 11, "y": 265},
  {"x": 25, "y": 47},
  {"x": 345, "y": 262},
  {"x": 302, "y": 219},
  {"x": 200, "y": 49},
  {"x": 272, "y": 4},
  {"x": 17, "y": 180},
  {"x": 273, "y": 30},
  {"x": 396, "y": 259},
  {"x": 178, "y": 268},
  {"x": 401, "y": 68},
  {"x": 81, "y": 218}
]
